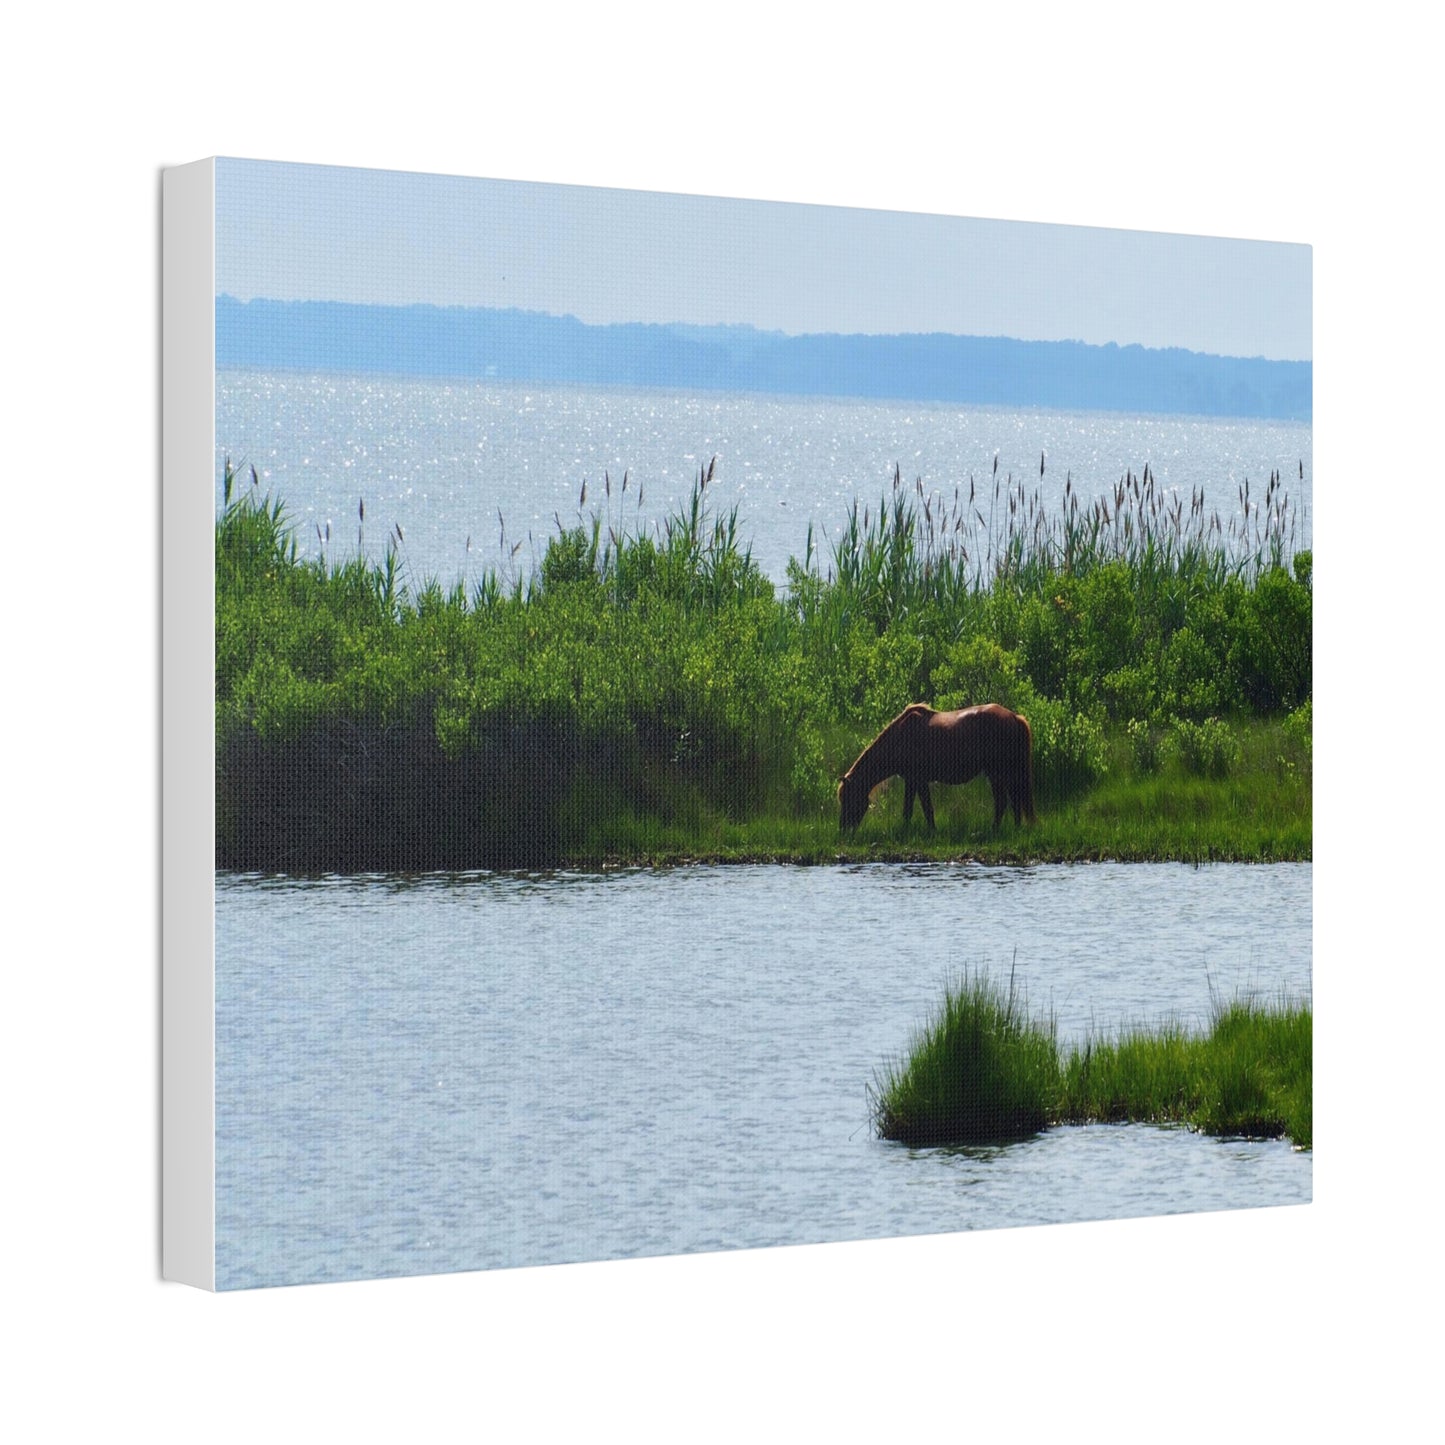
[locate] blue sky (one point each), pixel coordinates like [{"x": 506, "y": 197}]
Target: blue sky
[{"x": 299, "y": 232}]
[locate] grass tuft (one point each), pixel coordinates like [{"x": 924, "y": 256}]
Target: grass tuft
[{"x": 981, "y": 1071}]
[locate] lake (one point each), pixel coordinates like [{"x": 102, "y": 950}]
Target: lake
[
  {"x": 437, "y": 1073},
  {"x": 478, "y": 474}
]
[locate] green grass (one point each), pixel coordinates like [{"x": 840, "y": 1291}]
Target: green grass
[
  {"x": 1250, "y": 1074},
  {"x": 1261, "y": 812},
  {"x": 983, "y": 1071},
  {"x": 648, "y": 694},
  {"x": 980, "y": 1072}
]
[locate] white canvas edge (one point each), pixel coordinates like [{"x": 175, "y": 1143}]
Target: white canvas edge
[{"x": 188, "y": 791}]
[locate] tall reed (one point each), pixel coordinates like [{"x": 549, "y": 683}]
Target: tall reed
[{"x": 920, "y": 546}]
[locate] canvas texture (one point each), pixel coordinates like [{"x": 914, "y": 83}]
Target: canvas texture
[{"x": 741, "y": 724}]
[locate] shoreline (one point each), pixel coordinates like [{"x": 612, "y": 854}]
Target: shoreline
[{"x": 682, "y": 862}]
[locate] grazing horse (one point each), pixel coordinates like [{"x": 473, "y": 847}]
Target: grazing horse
[{"x": 923, "y": 746}]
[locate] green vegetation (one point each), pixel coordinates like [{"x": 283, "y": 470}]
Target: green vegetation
[
  {"x": 1251, "y": 1074},
  {"x": 648, "y": 694},
  {"x": 982, "y": 1072}
]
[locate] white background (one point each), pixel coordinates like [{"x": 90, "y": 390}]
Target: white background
[{"x": 1249, "y": 120}]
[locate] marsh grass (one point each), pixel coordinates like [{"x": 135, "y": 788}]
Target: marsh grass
[
  {"x": 919, "y": 547},
  {"x": 643, "y": 690},
  {"x": 982, "y": 1071},
  {"x": 1250, "y": 1074}
]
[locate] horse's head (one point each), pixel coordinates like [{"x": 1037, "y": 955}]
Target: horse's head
[{"x": 852, "y": 802}]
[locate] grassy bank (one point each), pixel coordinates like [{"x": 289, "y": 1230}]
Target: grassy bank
[
  {"x": 984, "y": 1071},
  {"x": 649, "y": 694}
]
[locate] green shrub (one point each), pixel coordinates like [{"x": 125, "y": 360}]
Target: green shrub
[
  {"x": 1046, "y": 628},
  {"x": 1194, "y": 679},
  {"x": 1109, "y": 628},
  {"x": 1207, "y": 749},
  {"x": 880, "y": 673},
  {"x": 1297, "y": 732},
  {"x": 1274, "y": 650},
  {"x": 978, "y": 670},
  {"x": 1299, "y": 728},
  {"x": 1070, "y": 748},
  {"x": 1144, "y": 747},
  {"x": 1130, "y": 692}
]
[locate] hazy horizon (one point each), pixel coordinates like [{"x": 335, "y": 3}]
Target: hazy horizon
[
  {"x": 739, "y": 326},
  {"x": 289, "y": 232},
  {"x": 422, "y": 339}
]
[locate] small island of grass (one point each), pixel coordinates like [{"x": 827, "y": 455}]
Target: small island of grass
[{"x": 983, "y": 1071}]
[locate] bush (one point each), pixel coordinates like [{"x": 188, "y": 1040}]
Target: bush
[
  {"x": 1109, "y": 628},
  {"x": 1274, "y": 650},
  {"x": 1070, "y": 749},
  {"x": 1193, "y": 678},
  {"x": 1144, "y": 747},
  {"x": 1297, "y": 757},
  {"x": 977, "y": 671},
  {"x": 1130, "y": 692},
  {"x": 1046, "y": 627},
  {"x": 1208, "y": 749}
]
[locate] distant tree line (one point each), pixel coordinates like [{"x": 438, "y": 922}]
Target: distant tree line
[{"x": 531, "y": 346}]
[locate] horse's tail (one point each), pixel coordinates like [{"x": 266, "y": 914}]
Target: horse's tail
[{"x": 1026, "y": 781}]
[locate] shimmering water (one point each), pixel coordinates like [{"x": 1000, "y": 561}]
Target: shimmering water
[
  {"x": 464, "y": 1072},
  {"x": 478, "y": 474}
]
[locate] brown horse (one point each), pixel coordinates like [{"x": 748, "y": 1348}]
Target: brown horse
[{"x": 923, "y": 746}]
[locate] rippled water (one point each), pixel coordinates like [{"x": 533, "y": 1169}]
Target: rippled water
[
  {"x": 498, "y": 465},
  {"x": 462, "y": 1072}
]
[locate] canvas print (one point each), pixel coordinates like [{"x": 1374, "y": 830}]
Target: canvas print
[{"x": 742, "y": 724}]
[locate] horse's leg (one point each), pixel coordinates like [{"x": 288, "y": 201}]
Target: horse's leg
[
  {"x": 908, "y": 792},
  {"x": 927, "y": 804},
  {"x": 1000, "y": 797}
]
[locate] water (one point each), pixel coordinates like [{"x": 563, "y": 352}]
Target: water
[
  {"x": 499, "y": 465},
  {"x": 418, "y": 1075}
]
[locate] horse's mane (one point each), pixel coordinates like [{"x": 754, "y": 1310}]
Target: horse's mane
[{"x": 881, "y": 748}]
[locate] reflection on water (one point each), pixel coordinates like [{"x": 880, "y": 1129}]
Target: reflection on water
[
  {"x": 469, "y": 469},
  {"x": 418, "y": 1074}
]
